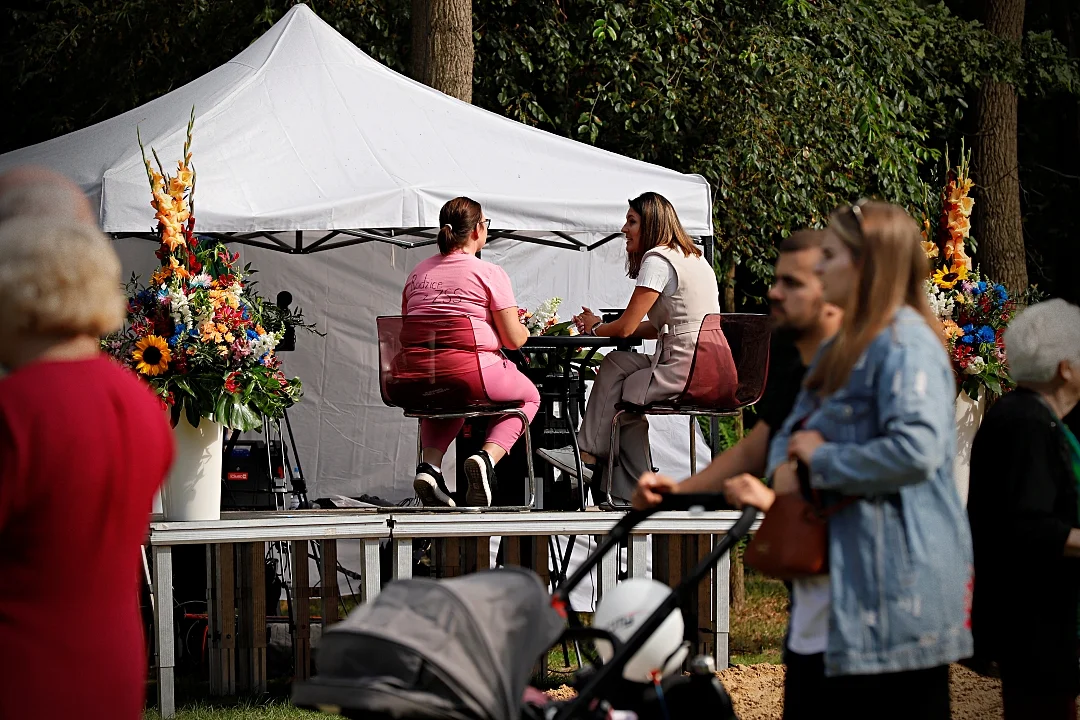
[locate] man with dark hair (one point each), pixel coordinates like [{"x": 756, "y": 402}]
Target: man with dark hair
[{"x": 802, "y": 321}]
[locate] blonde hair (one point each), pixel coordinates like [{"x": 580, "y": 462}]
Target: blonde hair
[
  {"x": 892, "y": 270},
  {"x": 58, "y": 277}
]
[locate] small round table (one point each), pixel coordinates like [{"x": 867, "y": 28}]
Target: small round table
[{"x": 561, "y": 384}]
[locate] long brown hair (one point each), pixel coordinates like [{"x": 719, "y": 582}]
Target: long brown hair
[
  {"x": 659, "y": 226},
  {"x": 457, "y": 219},
  {"x": 892, "y": 270}
]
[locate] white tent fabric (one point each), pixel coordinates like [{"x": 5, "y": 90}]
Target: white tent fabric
[{"x": 303, "y": 131}]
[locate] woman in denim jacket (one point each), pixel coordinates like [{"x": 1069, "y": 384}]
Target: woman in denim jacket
[{"x": 874, "y": 422}]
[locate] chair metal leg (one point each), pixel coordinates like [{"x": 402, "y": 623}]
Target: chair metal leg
[
  {"x": 693, "y": 444},
  {"x": 609, "y": 480},
  {"x": 532, "y": 499},
  {"x": 419, "y": 442}
]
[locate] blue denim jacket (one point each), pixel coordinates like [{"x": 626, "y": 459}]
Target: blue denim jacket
[{"x": 900, "y": 559}]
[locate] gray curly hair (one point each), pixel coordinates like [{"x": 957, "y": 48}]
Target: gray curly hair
[{"x": 1040, "y": 338}]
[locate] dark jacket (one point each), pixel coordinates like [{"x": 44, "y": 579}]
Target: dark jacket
[{"x": 1022, "y": 504}]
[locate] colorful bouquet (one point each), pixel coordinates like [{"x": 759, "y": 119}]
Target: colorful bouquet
[
  {"x": 198, "y": 333},
  {"x": 544, "y": 320},
  {"x": 974, "y": 311}
]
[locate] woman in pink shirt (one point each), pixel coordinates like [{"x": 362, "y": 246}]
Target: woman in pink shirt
[{"x": 457, "y": 282}]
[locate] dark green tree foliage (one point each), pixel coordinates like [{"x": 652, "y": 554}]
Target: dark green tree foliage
[{"x": 787, "y": 107}]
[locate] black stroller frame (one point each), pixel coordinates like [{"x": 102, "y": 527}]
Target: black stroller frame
[
  {"x": 463, "y": 648},
  {"x": 608, "y": 676}
]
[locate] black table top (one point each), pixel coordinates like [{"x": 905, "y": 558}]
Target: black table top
[{"x": 548, "y": 342}]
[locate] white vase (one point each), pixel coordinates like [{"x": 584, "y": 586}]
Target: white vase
[
  {"x": 969, "y": 414},
  {"x": 193, "y": 489}
]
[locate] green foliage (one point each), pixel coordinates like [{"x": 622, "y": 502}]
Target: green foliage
[{"x": 787, "y": 107}]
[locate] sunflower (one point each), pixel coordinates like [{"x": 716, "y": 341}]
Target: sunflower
[
  {"x": 152, "y": 355},
  {"x": 947, "y": 277}
]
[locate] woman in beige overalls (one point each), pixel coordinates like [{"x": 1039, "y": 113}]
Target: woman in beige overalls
[{"x": 676, "y": 288}]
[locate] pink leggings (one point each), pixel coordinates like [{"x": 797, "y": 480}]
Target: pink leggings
[{"x": 504, "y": 383}]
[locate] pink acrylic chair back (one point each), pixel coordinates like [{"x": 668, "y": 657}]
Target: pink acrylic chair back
[
  {"x": 730, "y": 362},
  {"x": 429, "y": 363},
  {"x": 749, "y": 337}
]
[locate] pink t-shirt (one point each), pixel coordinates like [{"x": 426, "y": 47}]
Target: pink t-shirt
[{"x": 462, "y": 284}]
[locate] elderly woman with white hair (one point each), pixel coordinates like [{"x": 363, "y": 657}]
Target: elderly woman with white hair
[
  {"x": 1025, "y": 524},
  {"x": 83, "y": 447}
]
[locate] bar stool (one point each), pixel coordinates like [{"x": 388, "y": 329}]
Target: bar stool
[
  {"x": 727, "y": 374},
  {"x": 429, "y": 367}
]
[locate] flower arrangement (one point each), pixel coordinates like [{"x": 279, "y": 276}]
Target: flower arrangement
[
  {"x": 974, "y": 311},
  {"x": 197, "y": 332},
  {"x": 544, "y": 320}
]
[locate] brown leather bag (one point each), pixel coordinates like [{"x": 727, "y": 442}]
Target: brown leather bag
[{"x": 793, "y": 540}]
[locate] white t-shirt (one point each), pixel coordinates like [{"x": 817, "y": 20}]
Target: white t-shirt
[
  {"x": 809, "y": 631},
  {"x": 656, "y": 273}
]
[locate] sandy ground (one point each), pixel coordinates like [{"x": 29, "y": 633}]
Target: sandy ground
[{"x": 758, "y": 693}]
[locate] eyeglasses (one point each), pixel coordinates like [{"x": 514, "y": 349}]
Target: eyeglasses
[{"x": 486, "y": 222}]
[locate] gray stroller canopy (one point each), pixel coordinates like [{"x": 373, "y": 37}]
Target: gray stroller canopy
[{"x": 460, "y": 649}]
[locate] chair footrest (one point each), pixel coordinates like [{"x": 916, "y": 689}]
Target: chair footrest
[
  {"x": 669, "y": 409},
  {"x": 493, "y": 408}
]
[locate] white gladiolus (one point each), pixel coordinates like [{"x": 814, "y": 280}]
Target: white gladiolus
[{"x": 941, "y": 303}]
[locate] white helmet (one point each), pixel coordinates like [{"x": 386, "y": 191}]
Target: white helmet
[{"x": 623, "y": 610}]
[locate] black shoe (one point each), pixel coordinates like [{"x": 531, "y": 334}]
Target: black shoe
[
  {"x": 431, "y": 488},
  {"x": 480, "y": 472}
]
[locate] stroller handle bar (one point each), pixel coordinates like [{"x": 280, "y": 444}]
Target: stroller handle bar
[
  {"x": 633, "y": 518},
  {"x": 608, "y": 675}
]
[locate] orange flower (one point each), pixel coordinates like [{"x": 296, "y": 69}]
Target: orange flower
[
  {"x": 184, "y": 174},
  {"x": 177, "y": 268},
  {"x": 952, "y": 330},
  {"x": 958, "y": 189},
  {"x": 959, "y": 226},
  {"x": 930, "y": 248}
]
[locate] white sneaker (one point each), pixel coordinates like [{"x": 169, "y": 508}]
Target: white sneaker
[{"x": 563, "y": 458}]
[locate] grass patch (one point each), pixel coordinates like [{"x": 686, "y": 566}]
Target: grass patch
[
  {"x": 759, "y": 626},
  {"x": 273, "y": 710}
]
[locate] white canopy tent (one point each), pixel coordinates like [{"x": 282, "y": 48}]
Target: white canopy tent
[
  {"x": 303, "y": 131},
  {"x": 303, "y": 143}
]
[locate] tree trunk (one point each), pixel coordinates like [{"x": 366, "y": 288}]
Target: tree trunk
[
  {"x": 442, "y": 46},
  {"x": 727, "y": 303},
  {"x": 998, "y": 227},
  {"x": 738, "y": 579}
]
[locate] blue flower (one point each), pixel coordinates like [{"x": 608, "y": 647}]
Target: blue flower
[
  {"x": 968, "y": 339},
  {"x": 968, "y": 329},
  {"x": 252, "y": 334},
  {"x": 978, "y": 288},
  {"x": 986, "y": 334}
]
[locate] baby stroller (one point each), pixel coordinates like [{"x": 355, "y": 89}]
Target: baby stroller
[{"x": 464, "y": 648}]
